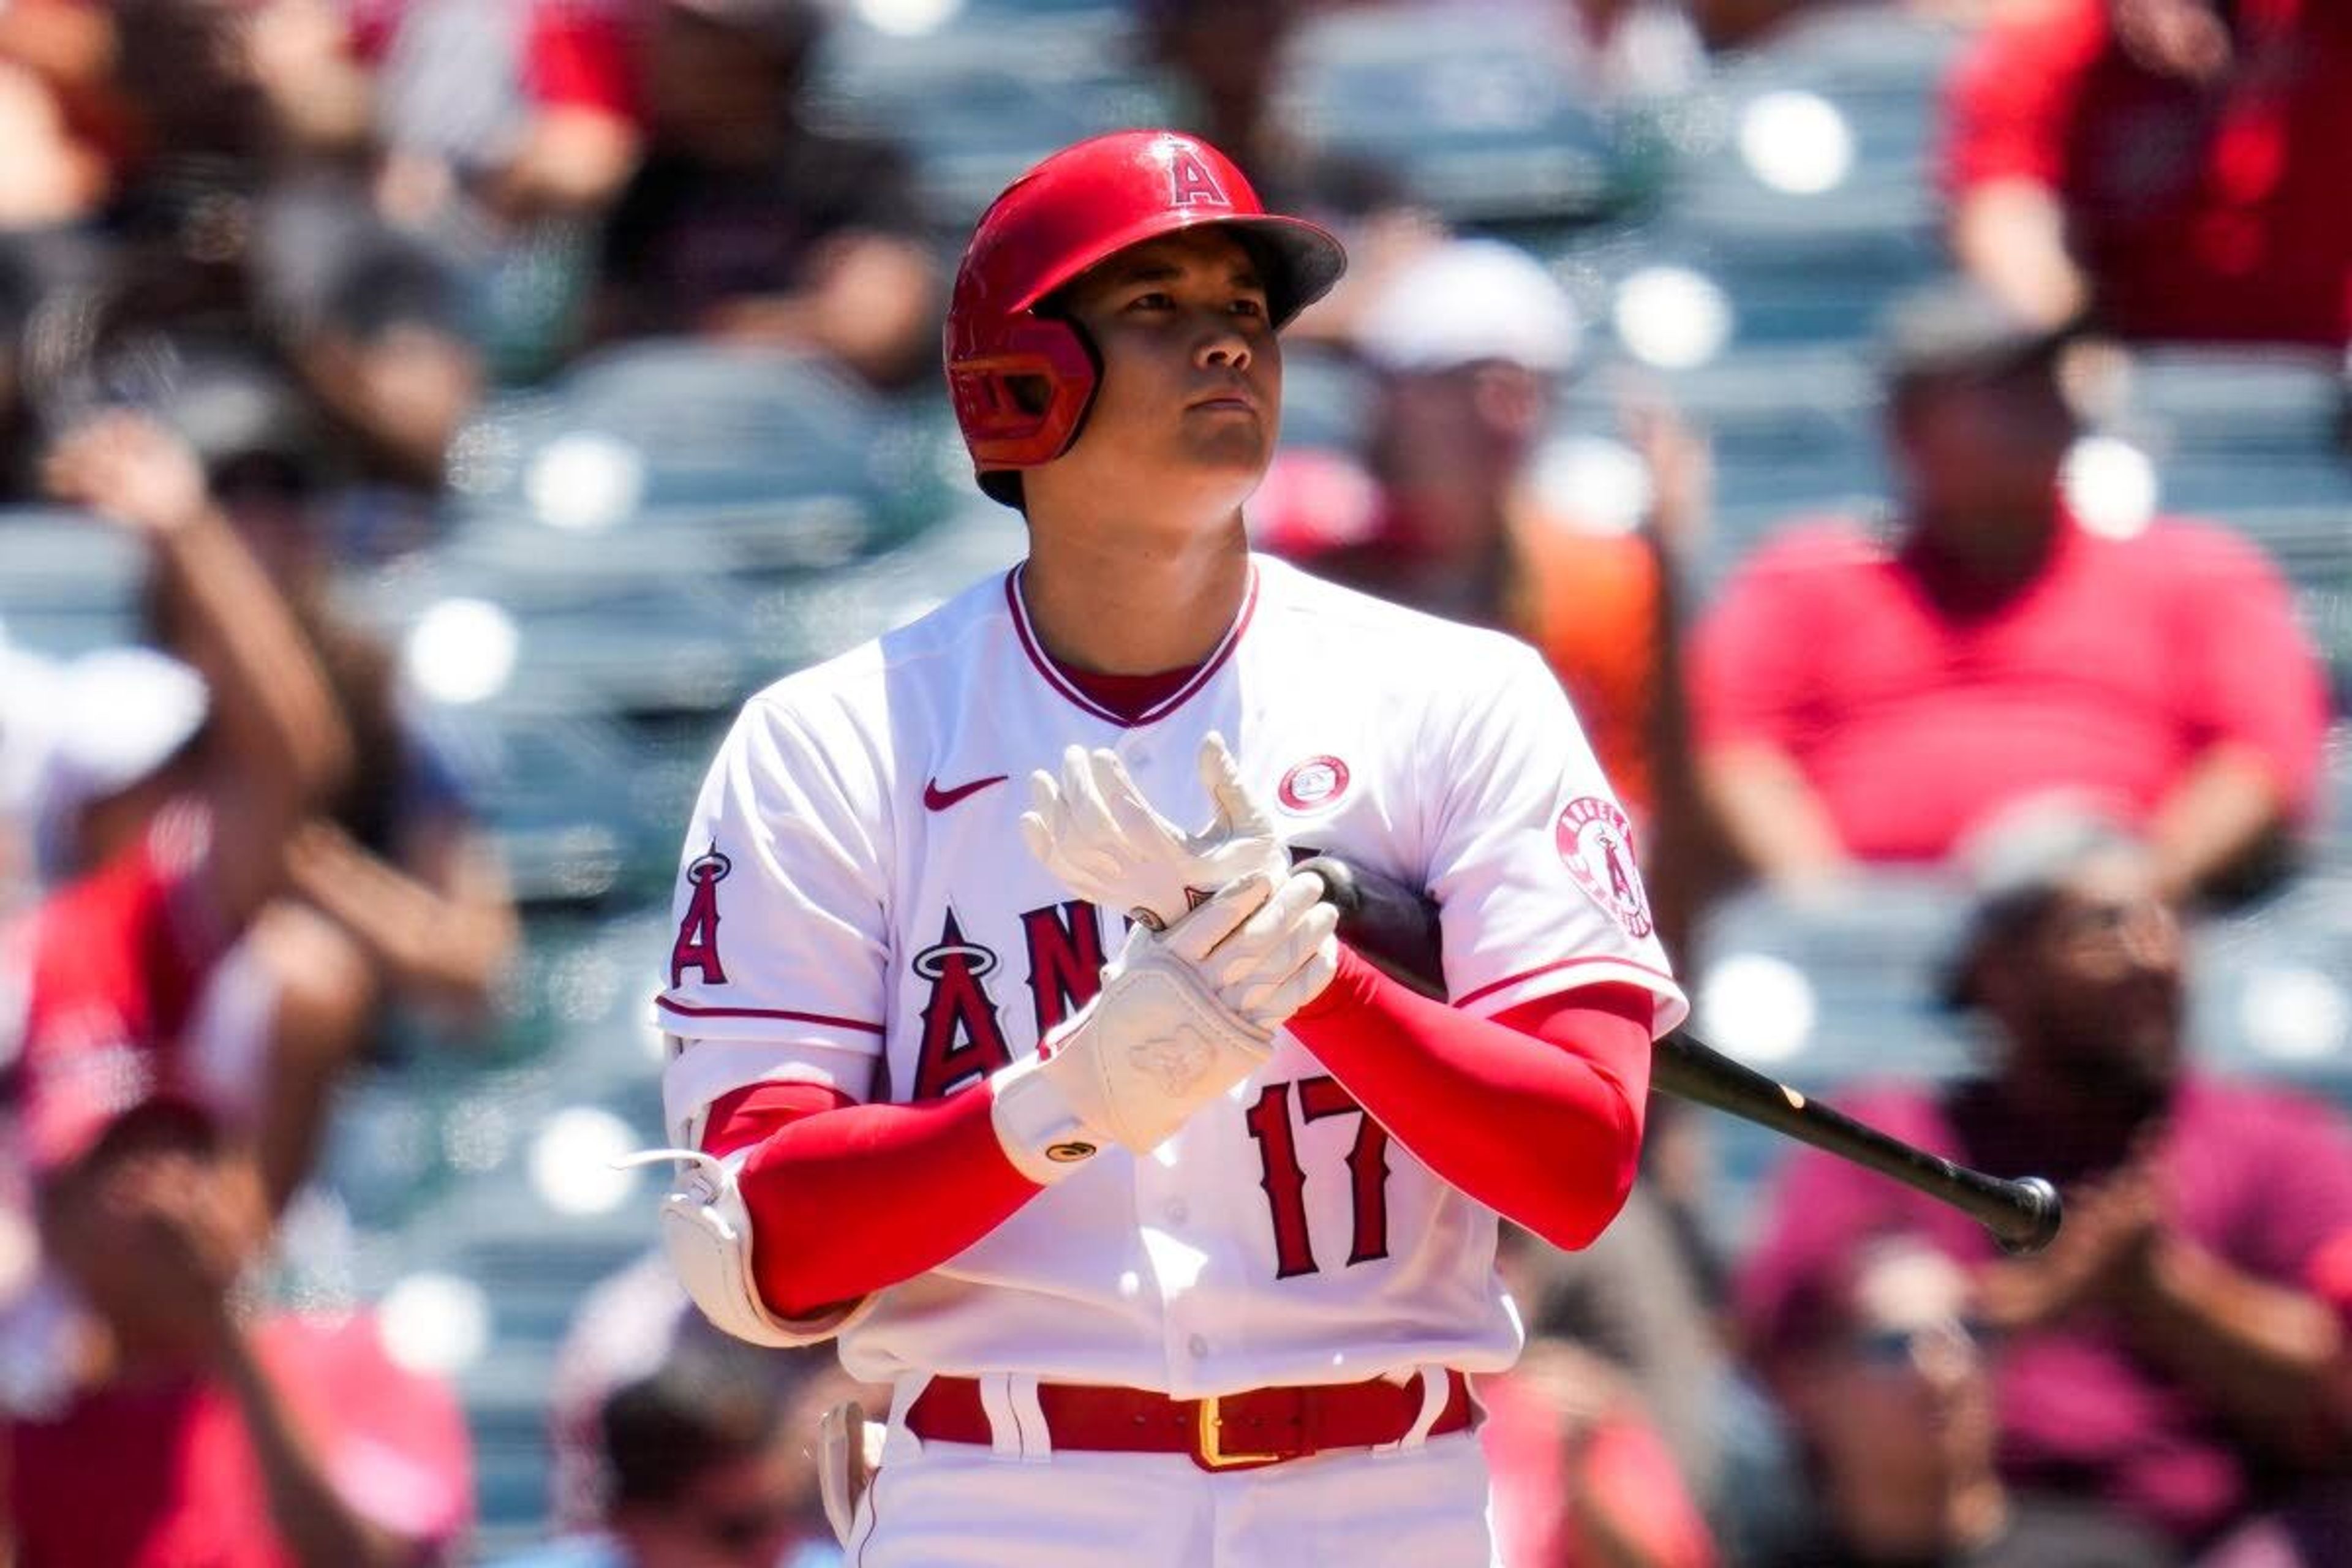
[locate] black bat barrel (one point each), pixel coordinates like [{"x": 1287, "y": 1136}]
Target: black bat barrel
[{"x": 2024, "y": 1215}]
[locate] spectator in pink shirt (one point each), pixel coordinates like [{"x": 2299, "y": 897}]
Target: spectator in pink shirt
[
  {"x": 2172, "y": 1355},
  {"x": 1871, "y": 695}
]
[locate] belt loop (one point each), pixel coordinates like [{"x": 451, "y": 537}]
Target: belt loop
[
  {"x": 1003, "y": 1425},
  {"x": 899, "y": 1441},
  {"x": 1436, "y": 1388},
  {"x": 1029, "y": 1415}
]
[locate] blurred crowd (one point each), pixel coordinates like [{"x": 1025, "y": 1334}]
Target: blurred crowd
[{"x": 264, "y": 264}]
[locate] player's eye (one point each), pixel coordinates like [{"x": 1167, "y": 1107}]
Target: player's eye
[
  {"x": 1158, "y": 300},
  {"x": 1249, "y": 305}
]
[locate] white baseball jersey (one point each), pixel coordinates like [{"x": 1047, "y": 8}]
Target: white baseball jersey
[{"x": 856, "y": 908}]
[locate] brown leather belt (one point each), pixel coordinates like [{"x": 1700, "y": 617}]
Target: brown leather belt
[{"x": 1234, "y": 1431}]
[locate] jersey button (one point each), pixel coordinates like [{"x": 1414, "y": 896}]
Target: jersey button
[
  {"x": 1178, "y": 1212},
  {"x": 1197, "y": 1345}
]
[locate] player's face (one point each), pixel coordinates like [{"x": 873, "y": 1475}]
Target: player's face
[{"x": 1192, "y": 379}]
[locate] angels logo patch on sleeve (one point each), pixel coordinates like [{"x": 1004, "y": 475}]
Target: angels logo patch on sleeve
[{"x": 1596, "y": 844}]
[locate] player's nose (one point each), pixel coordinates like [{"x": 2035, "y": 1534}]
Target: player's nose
[{"x": 1221, "y": 346}]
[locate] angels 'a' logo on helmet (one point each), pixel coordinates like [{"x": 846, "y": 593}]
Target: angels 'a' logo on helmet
[
  {"x": 1190, "y": 183},
  {"x": 1596, "y": 844}
]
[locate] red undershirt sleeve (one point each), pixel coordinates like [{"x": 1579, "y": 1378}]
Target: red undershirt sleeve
[
  {"x": 1536, "y": 1113},
  {"x": 847, "y": 1199}
]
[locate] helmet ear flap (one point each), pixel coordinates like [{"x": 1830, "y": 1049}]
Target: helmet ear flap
[{"x": 1021, "y": 401}]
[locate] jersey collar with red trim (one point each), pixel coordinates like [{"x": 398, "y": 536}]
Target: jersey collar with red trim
[{"x": 1065, "y": 684}]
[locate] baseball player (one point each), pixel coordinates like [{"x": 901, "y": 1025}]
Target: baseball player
[{"x": 1169, "y": 1220}]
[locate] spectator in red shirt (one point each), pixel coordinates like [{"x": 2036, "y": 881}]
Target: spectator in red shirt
[
  {"x": 2168, "y": 1355},
  {"x": 1870, "y": 696},
  {"x": 198, "y": 1437},
  {"x": 2176, "y": 166}
]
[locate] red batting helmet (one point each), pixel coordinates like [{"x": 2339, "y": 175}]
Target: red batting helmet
[{"x": 1077, "y": 207}]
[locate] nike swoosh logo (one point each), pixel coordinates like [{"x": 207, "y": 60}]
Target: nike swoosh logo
[{"x": 938, "y": 799}]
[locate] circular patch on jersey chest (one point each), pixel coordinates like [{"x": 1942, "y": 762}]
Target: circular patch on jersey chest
[
  {"x": 1596, "y": 844},
  {"x": 1313, "y": 784}
]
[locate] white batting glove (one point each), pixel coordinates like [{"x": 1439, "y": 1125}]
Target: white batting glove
[
  {"x": 1095, "y": 831},
  {"x": 1181, "y": 1017}
]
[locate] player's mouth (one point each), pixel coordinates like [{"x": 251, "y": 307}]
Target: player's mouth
[{"x": 1224, "y": 400}]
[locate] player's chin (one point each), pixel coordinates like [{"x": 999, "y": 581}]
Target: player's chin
[
  {"x": 1226, "y": 446},
  {"x": 1221, "y": 489}
]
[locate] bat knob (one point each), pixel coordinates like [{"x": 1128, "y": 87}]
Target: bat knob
[
  {"x": 1340, "y": 889},
  {"x": 2039, "y": 1216}
]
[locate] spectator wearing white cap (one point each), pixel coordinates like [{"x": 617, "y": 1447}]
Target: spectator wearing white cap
[
  {"x": 98, "y": 790},
  {"x": 1460, "y": 508},
  {"x": 93, "y": 787}
]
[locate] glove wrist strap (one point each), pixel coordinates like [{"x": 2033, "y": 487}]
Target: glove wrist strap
[{"x": 1041, "y": 1134}]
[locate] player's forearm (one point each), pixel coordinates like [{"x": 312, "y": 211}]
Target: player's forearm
[
  {"x": 2263, "y": 1354},
  {"x": 1545, "y": 1131},
  {"x": 852, "y": 1200}
]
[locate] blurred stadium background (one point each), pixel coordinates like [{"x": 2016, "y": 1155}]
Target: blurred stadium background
[{"x": 629, "y": 544}]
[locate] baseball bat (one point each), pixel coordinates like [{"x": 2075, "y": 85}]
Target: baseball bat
[{"x": 1396, "y": 929}]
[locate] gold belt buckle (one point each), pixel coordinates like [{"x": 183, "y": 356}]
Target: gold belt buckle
[{"x": 1214, "y": 1456}]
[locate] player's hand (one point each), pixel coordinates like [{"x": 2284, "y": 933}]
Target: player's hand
[
  {"x": 1183, "y": 1015},
  {"x": 1096, "y": 831},
  {"x": 130, "y": 469},
  {"x": 1267, "y": 965}
]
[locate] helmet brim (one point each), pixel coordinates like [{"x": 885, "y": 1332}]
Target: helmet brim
[{"x": 1309, "y": 257}]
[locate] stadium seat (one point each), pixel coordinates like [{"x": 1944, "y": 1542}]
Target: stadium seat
[
  {"x": 979, "y": 98},
  {"x": 1481, "y": 123},
  {"x": 726, "y": 461},
  {"x": 68, "y": 583},
  {"x": 1826, "y": 990}
]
